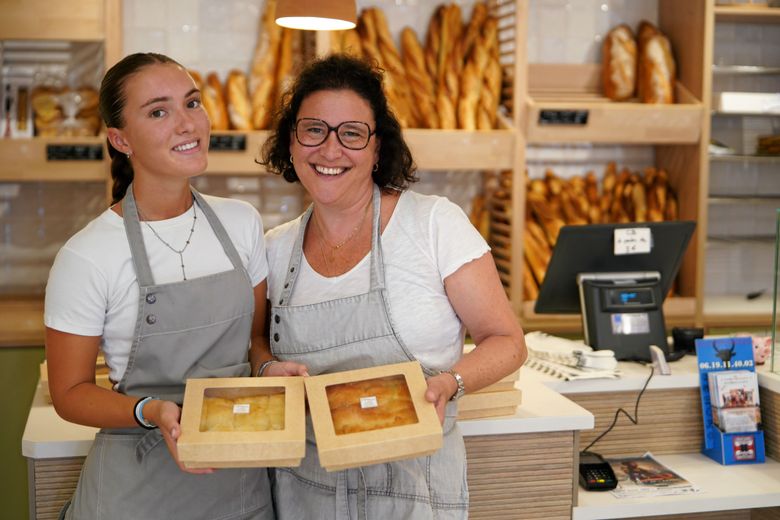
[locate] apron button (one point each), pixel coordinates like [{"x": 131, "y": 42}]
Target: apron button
[
  {"x": 276, "y": 337},
  {"x": 277, "y": 319},
  {"x": 151, "y": 298},
  {"x": 151, "y": 319},
  {"x": 281, "y": 302},
  {"x": 292, "y": 269},
  {"x": 286, "y": 285}
]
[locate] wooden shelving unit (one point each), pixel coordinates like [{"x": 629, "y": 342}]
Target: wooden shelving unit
[
  {"x": 736, "y": 310},
  {"x": 679, "y": 133},
  {"x": 747, "y": 14}
]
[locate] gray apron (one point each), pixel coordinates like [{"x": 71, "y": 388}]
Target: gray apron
[
  {"x": 344, "y": 334},
  {"x": 188, "y": 329}
]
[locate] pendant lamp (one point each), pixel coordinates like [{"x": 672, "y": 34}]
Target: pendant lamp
[{"x": 316, "y": 15}]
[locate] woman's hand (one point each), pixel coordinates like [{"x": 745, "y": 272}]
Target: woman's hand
[
  {"x": 166, "y": 415},
  {"x": 285, "y": 368},
  {"x": 441, "y": 388}
]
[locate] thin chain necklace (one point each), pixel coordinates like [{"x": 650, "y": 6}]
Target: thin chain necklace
[
  {"x": 179, "y": 252},
  {"x": 338, "y": 246}
]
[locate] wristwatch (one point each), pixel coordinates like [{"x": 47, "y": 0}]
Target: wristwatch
[{"x": 459, "y": 380}]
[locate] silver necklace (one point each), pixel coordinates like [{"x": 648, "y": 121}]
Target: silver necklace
[{"x": 179, "y": 252}]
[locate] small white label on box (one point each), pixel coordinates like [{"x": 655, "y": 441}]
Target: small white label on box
[
  {"x": 632, "y": 241},
  {"x": 241, "y": 408},
  {"x": 368, "y": 402}
]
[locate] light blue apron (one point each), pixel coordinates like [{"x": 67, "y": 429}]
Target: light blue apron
[
  {"x": 193, "y": 328},
  {"x": 345, "y": 334}
]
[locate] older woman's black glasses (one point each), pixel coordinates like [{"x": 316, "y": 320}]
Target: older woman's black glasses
[{"x": 351, "y": 134}]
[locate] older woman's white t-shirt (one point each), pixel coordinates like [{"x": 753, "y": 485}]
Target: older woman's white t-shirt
[{"x": 427, "y": 239}]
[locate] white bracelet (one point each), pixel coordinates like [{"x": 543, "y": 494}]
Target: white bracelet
[
  {"x": 263, "y": 366},
  {"x": 138, "y": 411}
]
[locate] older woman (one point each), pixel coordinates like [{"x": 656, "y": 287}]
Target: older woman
[{"x": 374, "y": 274}]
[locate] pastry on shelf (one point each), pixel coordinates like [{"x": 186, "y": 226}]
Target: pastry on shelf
[{"x": 618, "y": 63}]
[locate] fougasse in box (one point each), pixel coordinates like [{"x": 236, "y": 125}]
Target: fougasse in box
[
  {"x": 243, "y": 422},
  {"x": 372, "y": 415}
]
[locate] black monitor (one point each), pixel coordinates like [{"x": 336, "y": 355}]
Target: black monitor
[{"x": 597, "y": 258}]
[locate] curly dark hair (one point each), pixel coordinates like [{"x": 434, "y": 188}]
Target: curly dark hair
[{"x": 342, "y": 72}]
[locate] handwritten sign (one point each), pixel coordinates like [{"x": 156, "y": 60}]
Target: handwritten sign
[{"x": 633, "y": 241}]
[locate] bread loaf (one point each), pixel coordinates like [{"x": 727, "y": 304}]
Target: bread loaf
[
  {"x": 643, "y": 33},
  {"x": 658, "y": 71},
  {"x": 214, "y": 102},
  {"x": 238, "y": 105},
  {"x": 619, "y": 62}
]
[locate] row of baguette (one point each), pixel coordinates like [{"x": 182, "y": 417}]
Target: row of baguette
[
  {"x": 453, "y": 81},
  {"x": 552, "y": 202}
]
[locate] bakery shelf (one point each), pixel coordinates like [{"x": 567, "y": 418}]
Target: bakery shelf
[
  {"x": 744, "y": 70},
  {"x": 26, "y": 159},
  {"x": 747, "y": 14},
  {"x": 737, "y": 158},
  {"x": 736, "y": 310},
  {"x": 431, "y": 149},
  {"x": 570, "y": 90},
  {"x": 76, "y": 20}
]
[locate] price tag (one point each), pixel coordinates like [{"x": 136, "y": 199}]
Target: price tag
[
  {"x": 227, "y": 143},
  {"x": 368, "y": 402},
  {"x": 633, "y": 241},
  {"x": 74, "y": 152},
  {"x": 563, "y": 117},
  {"x": 241, "y": 408}
]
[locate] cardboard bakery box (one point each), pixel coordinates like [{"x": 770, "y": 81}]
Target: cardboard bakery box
[
  {"x": 372, "y": 415},
  {"x": 243, "y": 422},
  {"x": 479, "y": 405}
]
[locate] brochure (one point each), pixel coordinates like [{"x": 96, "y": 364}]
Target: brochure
[{"x": 646, "y": 477}]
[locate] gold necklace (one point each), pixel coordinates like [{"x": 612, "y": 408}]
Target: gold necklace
[
  {"x": 351, "y": 235},
  {"x": 338, "y": 246}
]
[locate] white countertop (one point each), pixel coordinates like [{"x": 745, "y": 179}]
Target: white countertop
[
  {"x": 722, "y": 488},
  {"x": 46, "y": 435}
]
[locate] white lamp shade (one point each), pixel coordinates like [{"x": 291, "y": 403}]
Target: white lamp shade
[{"x": 316, "y": 15}]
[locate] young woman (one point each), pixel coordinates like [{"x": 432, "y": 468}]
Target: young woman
[
  {"x": 374, "y": 274},
  {"x": 170, "y": 284}
]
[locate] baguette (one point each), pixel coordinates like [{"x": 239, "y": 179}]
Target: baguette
[
  {"x": 619, "y": 59},
  {"x": 262, "y": 78},
  {"x": 420, "y": 82},
  {"x": 238, "y": 104},
  {"x": 530, "y": 288},
  {"x": 214, "y": 102}
]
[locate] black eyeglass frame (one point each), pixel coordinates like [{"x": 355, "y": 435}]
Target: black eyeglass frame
[{"x": 333, "y": 129}]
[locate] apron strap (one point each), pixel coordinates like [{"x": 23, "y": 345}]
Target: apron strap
[
  {"x": 377, "y": 261},
  {"x": 296, "y": 256},
  {"x": 219, "y": 230},
  {"x": 136, "y": 239}
]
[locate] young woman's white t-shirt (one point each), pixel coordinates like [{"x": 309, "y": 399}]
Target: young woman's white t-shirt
[
  {"x": 93, "y": 289},
  {"x": 427, "y": 239}
]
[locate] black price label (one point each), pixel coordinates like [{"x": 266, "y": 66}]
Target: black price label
[
  {"x": 74, "y": 152},
  {"x": 563, "y": 117},
  {"x": 227, "y": 143}
]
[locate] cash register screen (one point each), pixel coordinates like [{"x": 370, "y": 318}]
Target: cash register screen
[{"x": 591, "y": 249}]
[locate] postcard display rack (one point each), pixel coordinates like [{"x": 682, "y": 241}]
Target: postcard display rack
[{"x": 723, "y": 355}]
